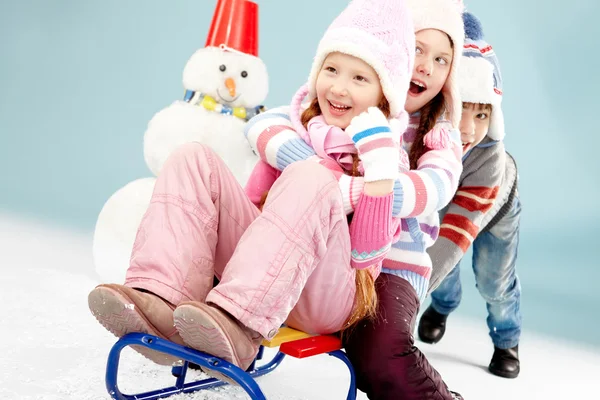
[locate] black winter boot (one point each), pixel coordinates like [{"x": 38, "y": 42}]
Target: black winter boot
[
  {"x": 505, "y": 362},
  {"x": 432, "y": 326}
]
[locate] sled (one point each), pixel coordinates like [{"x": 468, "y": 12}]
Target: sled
[{"x": 291, "y": 342}]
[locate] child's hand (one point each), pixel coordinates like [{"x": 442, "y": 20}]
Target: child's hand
[{"x": 377, "y": 144}]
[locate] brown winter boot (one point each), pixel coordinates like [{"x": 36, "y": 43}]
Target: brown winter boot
[
  {"x": 122, "y": 310},
  {"x": 209, "y": 329}
]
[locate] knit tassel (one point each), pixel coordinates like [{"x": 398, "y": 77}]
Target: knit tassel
[{"x": 438, "y": 138}]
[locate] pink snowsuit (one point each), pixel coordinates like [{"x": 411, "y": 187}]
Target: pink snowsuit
[{"x": 290, "y": 263}]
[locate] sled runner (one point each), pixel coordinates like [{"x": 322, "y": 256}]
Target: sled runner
[{"x": 291, "y": 342}]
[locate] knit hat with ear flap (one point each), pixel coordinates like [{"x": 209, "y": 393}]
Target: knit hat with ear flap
[
  {"x": 479, "y": 76},
  {"x": 445, "y": 16},
  {"x": 379, "y": 32}
]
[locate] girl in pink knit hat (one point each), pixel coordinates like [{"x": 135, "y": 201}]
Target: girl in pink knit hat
[
  {"x": 391, "y": 240},
  {"x": 298, "y": 261}
]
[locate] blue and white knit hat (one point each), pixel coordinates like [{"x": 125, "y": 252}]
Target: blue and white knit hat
[{"x": 479, "y": 75}]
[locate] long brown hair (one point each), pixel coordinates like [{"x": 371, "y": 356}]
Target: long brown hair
[
  {"x": 365, "y": 299},
  {"x": 430, "y": 113}
]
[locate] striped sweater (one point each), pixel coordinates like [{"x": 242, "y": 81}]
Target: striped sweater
[
  {"x": 391, "y": 232},
  {"x": 485, "y": 191}
]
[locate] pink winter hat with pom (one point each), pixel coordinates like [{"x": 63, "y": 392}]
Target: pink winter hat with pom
[{"x": 379, "y": 32}]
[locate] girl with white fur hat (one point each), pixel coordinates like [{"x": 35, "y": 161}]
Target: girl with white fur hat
[
  {"x": 485, "y": 213},
  {"x": 388, "y": 364}
]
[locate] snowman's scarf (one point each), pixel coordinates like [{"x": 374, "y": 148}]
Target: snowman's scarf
[{"x": 210, "y": 104}]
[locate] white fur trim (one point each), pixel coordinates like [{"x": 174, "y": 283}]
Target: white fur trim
[
  {"x": 334, "y": 41},
  {"x": 476, "y": 82},
  {"x": 496, "y": 131}
]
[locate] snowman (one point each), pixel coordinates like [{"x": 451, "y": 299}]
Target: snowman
[{"x": 225, "y": 84}]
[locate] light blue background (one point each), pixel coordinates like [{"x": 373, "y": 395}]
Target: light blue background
[{"x": 79, "y": 80}]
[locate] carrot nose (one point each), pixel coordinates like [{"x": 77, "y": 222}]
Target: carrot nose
[{"x": 230, "y": 85}]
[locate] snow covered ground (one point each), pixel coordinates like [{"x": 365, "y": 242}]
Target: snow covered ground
[{"x": 52, "y": 348}]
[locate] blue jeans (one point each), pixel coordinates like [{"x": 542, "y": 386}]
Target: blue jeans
[{"x": 494, "y": 258}]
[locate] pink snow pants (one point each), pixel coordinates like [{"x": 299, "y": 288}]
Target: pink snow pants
[{"x": 290, "y": 263}]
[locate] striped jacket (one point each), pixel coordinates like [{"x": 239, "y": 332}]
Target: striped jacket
[
  {"x": 417, "y": 197},
  {"x": 486, "y": 189}
]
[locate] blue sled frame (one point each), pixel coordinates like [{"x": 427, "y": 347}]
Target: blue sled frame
[{"x": 244, "y": 378}]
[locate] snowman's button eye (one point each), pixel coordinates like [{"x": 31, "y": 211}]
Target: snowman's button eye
[
  {"x": 222, "y": 67},
  {"x": 244, "y": 74}
]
